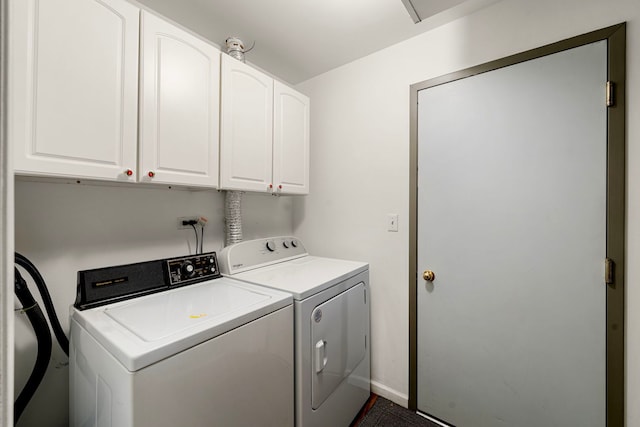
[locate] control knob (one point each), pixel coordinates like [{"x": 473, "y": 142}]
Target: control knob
[
  {"x": 271, "y": 246},
  {"x": 187, "y": 269}
]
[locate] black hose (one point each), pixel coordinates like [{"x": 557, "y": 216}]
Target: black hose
[
  {"x": 46, "y": 299},
  {"x": 43, "y": 336}
]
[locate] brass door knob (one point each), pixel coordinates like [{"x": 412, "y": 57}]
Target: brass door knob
[{"x": 428, "y": 275}]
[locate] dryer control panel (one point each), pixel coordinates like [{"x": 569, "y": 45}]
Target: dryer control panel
[{"x": 251, "y": 254}]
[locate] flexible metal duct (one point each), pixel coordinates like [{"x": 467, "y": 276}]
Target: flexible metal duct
[
  {"x": 233, "y": 217},
  {"x": 233, "y": 199},
  {"x": 235, "y": 48}
]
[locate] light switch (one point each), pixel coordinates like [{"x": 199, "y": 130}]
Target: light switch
[{"x": 392, "y": 222}]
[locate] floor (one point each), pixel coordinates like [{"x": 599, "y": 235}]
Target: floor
[{"x": 380, "y": 412}]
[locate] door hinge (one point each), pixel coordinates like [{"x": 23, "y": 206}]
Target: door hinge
[
  {"x": 609, "y": 267},
  {"x": 610, "y": 94}
]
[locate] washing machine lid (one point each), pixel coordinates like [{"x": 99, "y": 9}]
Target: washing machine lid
[
  {"x": 142, "y": 331},
  {"x": 304, "y": 276}
]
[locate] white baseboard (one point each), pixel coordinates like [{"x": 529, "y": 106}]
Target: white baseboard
[
  {"x": 390, "y": 394},
  {"x": 433, "y": 420}
]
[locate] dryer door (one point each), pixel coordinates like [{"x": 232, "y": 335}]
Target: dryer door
[{"x": 338, "y": 339}]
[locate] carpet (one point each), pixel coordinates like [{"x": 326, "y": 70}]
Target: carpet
[{"x": 384, "y": 413}]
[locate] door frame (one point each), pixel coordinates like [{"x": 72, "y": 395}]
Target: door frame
[
  {"x": 616, "y": 204},
  {"x": 6, "y": 233}
]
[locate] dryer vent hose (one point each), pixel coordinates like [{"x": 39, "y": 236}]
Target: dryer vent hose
[
  {"x": 233, "y": 199},
  {"x": 235, "y": 48},
  {"x": 233, "y": 217}
]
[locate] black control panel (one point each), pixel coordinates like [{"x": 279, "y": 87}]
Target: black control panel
[
  {"x": 193, "y": 268},
  {"x": 107, "y": 285}
]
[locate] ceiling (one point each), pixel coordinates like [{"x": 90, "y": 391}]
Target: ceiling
[{"x": 299, "y": 39}]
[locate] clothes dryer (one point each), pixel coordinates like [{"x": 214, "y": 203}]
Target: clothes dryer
[
  {"x": 172, "y": 343},
  {"x": 331, "y": 310}
]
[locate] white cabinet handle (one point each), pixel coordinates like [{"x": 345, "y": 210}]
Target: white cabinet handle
[{"x": 321, "y": 355}]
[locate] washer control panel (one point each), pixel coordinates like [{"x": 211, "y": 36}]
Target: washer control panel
[
  {"x": 106, "y": 285},
  {"x": 193, "y": 268}
]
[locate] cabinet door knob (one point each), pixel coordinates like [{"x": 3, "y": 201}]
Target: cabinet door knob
[
  {"x": 280, "y": 187},
  {"x": 151, "y": 174},
  {"x": 128, "y": 172}
]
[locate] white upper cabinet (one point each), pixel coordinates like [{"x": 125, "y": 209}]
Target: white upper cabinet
[
  {"x": 76, "y": 110},
  {"x": 264, "y": 133},
  {"x": 290, "y": 141},
  {"x": 179, "y": 106},
  {"x": 246, "y": 127},
  {"x": 74, "y": 87}
]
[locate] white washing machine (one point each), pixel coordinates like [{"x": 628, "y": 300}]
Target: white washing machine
[
  {"x": 331, "y": 305},
  {"x": 172, "y": 343}
]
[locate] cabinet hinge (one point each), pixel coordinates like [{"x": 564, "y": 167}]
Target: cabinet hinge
[
  {"x": 609, "y": 267},
  {"x": 610, "y": 94}
]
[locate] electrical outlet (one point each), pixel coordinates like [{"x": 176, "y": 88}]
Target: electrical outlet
[{"x": 187, "y": 218}]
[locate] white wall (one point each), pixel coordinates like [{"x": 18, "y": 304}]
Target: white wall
[
  {"x": 360, "y": 158},
  {"x": 63, "y": 228}
]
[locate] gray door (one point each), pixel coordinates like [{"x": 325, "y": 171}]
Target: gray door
[{"x": 512, "y": 221}]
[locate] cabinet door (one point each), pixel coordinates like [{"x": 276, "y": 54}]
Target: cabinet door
[
  {"x": 74, "y": 87},
  {"x": 290, "y": 141},
  {"x": 179, "y": 115},
  {"x": 246, "y": 131}
]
